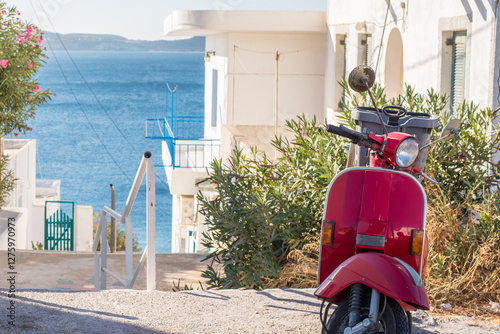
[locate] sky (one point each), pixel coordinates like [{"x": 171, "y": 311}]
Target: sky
[{"x": 133, "y": 19}]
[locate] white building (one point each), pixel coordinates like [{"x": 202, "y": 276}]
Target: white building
[
  {"x": 261, "y": 68},
  {"x": 452, "y": 46},
  {"x": 26, "y": 204},
  {"x": 264, "y": 67}
]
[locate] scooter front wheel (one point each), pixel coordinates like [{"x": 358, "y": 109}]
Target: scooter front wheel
[{"x": 393, "y": 321}]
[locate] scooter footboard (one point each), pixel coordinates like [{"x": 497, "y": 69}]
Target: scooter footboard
[{"x": 390, "y": 276}]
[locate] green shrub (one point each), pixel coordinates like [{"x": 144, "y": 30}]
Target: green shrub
[
  {"x": 265, "y": 225},
  {"x": 266, "y": 209},
  {"x": 20, "y": 59},
  {"x": 120, "y": 235}
]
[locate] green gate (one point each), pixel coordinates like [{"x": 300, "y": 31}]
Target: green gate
[{"x": 59, "y": 226}]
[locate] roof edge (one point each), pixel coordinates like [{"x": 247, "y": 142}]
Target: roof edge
[{"x": 207, "y": 22}]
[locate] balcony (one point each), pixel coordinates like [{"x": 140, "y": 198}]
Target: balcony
[{"x": 183, "y": 136}]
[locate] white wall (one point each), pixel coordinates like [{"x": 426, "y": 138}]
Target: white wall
[
  {"x": 423, "y": 26},
  {"x": 246, "y": 64},
  {"x": 19, "y": 219},
  {"x": 83, "y": 237},
  {"x": 22, "y": 162}
]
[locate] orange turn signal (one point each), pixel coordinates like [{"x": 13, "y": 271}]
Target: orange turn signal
[
  {"x": 327, "y": 233},
  {"x": 417, "y": 240}
]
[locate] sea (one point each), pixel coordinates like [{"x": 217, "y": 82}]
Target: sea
[{"x": 92, "y": 133}]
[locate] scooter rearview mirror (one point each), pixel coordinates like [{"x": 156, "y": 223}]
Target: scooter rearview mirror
[
  {"x": 361, "y": 78},
  {"x": 451, "y": 129}
]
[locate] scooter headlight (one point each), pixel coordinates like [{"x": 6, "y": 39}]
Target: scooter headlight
[{"x": 407, "y": 152}]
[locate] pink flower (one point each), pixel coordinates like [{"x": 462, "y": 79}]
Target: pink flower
[
  {"x": 3, "y": 11},
  {"x": 36, "y": 89},
  {"x": 4, "y": 62},
  {"x": 30, "y": 64},
  {"x": 30, "y": 98},
  {"x": 40, "y": 41}
]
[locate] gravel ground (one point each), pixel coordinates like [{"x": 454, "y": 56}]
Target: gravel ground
[{"x": 221, "y": 311}]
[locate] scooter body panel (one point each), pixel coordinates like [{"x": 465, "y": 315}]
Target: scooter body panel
[
  {"x": 372, "y": 210},
  {"x": 377, "y": 271}
]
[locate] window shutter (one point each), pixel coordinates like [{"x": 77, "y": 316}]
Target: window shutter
[
  {"x": 368, "y": 50},
  {"x": 458, "y": 68}
]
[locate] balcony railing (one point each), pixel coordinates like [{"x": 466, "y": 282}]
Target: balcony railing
[
  {"x": 178, "y": 127},
  {"x": 184, "y": 140},
  {"x": 195, "y": 154}
]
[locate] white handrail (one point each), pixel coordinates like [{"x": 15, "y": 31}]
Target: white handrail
[{"x": 100, "y": 260}]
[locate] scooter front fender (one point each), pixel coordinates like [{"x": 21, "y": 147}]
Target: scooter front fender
[{"x": 390, "y": 276}]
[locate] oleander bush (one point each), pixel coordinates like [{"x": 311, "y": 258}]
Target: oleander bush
[
  {"x": 20, "y": 95},
  {"x": 265, "y": 209},
  {"x": 265, "y": 224}
]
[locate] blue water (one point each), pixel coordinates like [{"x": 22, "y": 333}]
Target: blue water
[{"x": 89, "y": 142}]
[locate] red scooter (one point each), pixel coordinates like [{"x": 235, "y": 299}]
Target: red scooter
[{"x": 373, "y": 248}]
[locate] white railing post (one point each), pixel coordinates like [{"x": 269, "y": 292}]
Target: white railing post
[
  {"x": 128, "y": 253},
  {"x": 151, "y": 225},
  {"x": 100, "y": 261},
  {"x": 104, "y": 249}
]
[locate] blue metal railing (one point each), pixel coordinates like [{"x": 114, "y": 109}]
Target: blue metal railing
[
  {"x": 195, "y": 154},
  {"x": 180, "y": 127},
  {"x": 188, "y": 127},
  {"x": 184, "y": 140}
]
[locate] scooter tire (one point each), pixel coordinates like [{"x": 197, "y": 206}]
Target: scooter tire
[{"x": 394, "y": 320}]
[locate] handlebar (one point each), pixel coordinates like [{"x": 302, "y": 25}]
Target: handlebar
[
  {"x": 355, "y": 137},
  {"x": 342, "y": 132}
]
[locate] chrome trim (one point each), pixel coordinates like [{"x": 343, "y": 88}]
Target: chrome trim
[
  {"x": 370, "y": 240},
  {"x": 397, "y": 148},
  {"x": 413, "y": 273}
]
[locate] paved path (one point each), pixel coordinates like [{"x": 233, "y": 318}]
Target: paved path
[{"x": 75, "y": 270}]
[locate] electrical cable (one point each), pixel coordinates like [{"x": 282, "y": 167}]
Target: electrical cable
[
  {"x": 162, "y": 181},
  {"x": 88, "y": 86},
  {"x": 78, "y": 101},
  {"x": 91, "y": 90},
  {"x": 383, "y": 32}
]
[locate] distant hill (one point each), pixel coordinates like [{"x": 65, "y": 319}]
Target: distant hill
[{"x": 95, "y": 42}]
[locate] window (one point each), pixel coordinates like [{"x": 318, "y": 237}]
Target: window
[
  {"x": 366, "y": 49},
  {"x": 454, "y": 66},
  {"x": 340, "y": 66},
  {"x": 458, "y": 68}
]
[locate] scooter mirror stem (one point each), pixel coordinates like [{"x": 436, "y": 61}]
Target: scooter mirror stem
[
  {"x": 428, "y": 178},
  {"x": 453, "y": 133},
  {"x": 364, "y": 80}
]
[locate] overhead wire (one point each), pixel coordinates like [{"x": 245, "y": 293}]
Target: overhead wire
[
  {"x": 79, "y": 104},
  {"x": 91, "y": 90},
  {"x": 383, "y": 32},
  {"x": 163, "y": 182}
]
